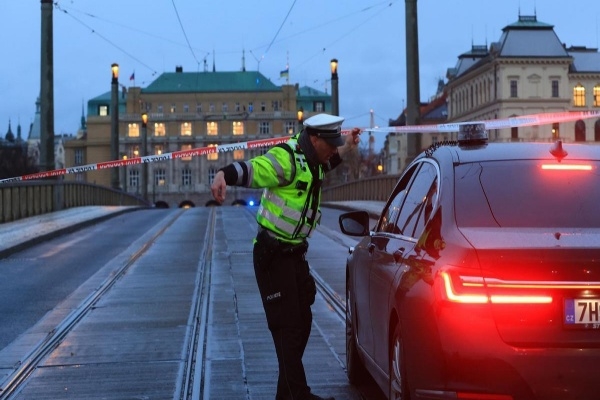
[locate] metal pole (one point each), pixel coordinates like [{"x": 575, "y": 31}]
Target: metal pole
[
  {"x": 47, "y": 89},
  {"x": 412, "y": 78},
  {"x": 144, "y": 153},
  {"x": 114, "y": 125}
]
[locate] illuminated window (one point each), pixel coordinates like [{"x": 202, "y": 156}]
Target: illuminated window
[
  {"x": 597, "y": 96},
  {"x": 160, "y": 177},
  {"x": 103, "y": 110},
  {"x": 173, "y": 108},
  {"x": 238, "y": 128},
  {"x": 212, "y": 128},
  {"x": 290, "y": 127},
  {"x": 158, "y": 149},
  {"x": 186, "y": 177},
  {"x": 133, "y": 151},
  {"x": 555, "y": 131},
  {"x": 579, "y": 96},
  {"x": 212, "y": 156},
  {"x": 238, "y": 154},
  {"x": 264, "y": 128},
  {"x": 133, "y": 130},
  {"x": 186, "y": 129},
  {"x": 159, "y": 129},
  {"x": 185, "y": 147}
]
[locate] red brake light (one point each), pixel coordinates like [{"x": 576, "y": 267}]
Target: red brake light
[
  {"x": 479, "y": 290},
  {"x": 567, "y": 167}
]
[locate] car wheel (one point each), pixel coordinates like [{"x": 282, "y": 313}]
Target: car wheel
[
  {"x": 357, "y": 373},
  {"x": 397, "y": 383}
]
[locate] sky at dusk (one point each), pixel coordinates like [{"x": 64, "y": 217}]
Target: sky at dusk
[{"x": 147, "y": 38}]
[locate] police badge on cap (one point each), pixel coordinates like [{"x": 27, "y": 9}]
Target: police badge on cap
[{"x": 327, "y": 127}]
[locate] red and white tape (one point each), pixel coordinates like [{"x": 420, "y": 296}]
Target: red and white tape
[{"x": 525, "y": 120}]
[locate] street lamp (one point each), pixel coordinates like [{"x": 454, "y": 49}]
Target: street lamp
[
  {"x": 335, "y": 95},
  {"x": 144, "y": 153},
  {"x": 114, "y": 124},
  {"x": 300, "y": 117}
]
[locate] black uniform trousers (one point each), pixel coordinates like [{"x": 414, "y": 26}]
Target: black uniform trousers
[{"x": 287, "y": 290}]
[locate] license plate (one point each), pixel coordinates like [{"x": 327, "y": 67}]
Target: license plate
[{"x": 582, "y": 313}]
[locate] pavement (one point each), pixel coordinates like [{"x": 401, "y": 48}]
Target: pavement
[
  {"x": 18, "y": 235},
  {"x": 125, "y": 325}
]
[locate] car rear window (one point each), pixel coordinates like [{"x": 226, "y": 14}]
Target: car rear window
[{"x": 522, "y": 194}]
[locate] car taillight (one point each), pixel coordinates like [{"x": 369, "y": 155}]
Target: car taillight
[{"x": 470, "y": 289}]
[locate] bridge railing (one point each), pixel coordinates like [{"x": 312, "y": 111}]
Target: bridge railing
[
  {"x": 27, "y": 199},
  {"x": 375, "y": 189}
]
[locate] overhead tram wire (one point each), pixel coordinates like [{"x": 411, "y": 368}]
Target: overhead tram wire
[
  {"x": 350, "y": 31},
  {"x": 101, "y": 19},
  {"x": 280, "y": 27},
  {"x": 184, "y": 34},
  {"x": 154, "y": 72}
]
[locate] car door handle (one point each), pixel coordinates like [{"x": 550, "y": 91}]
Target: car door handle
[
  {"x": 398, "y": 254},
  {"x": 371, "y": 248}
]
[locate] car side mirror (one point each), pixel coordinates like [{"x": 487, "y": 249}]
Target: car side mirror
[{"x": 355, "y": 223}]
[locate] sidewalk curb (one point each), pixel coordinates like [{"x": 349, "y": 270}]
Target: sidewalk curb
[{"x": 61, "y": 231}]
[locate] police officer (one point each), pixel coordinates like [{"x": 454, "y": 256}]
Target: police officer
[{"x": 291, "y": 174}]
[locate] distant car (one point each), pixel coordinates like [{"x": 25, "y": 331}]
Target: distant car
[{"x": 481, "y": 279}]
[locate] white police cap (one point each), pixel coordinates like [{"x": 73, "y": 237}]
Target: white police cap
[{"x": 327, "y": 127}]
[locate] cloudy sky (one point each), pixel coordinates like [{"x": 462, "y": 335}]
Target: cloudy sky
[{"x": 151, "y": 37}]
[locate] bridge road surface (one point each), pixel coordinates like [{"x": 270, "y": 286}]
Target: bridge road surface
[{"x": 134, "y": 342}]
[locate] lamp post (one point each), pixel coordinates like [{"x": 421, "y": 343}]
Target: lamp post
[
  {"x": 114, "y": 124},
  {"x": 335, "y": 95},
  {"x": 144, "y": 153},
  {"x": 300, "y": 118},
  {"x": 47, "y": 162}
]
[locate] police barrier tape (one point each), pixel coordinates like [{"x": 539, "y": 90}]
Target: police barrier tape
[{"x": 525, "y": 120}]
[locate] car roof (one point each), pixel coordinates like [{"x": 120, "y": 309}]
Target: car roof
[{"x": 512, "y": 151}]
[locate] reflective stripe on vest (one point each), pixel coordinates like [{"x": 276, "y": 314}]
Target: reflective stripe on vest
[{"x": 281, "y": 224}]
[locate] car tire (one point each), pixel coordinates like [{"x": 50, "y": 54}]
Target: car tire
[
  {"x": 355, "y": 369},
  {"x": 398, "y": 385}
]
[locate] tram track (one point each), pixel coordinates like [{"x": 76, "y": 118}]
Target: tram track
[
  {"x": 193, "y": 377},
  {"x": 16, "y": 380}
]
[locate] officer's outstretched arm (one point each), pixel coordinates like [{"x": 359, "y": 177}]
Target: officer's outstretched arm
[{"x": 219, "y": 187}]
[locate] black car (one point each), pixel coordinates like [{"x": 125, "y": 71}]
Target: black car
[{"x": 481, "y": 279}]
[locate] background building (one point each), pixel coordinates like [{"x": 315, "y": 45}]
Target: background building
[
  {"x": 527, "y": 71},
  {"x": 188, "y": 110}
]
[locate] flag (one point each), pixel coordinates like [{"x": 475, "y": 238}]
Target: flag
[
  {"x": 132, "y": 77},
  {"x": 285, "y": 73}
]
